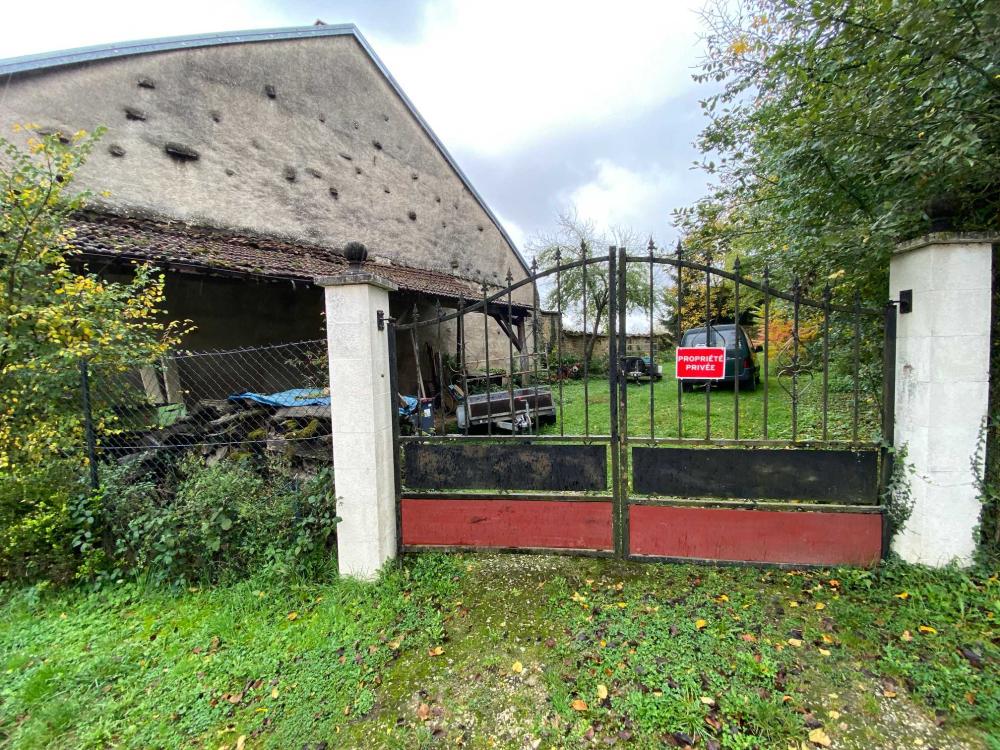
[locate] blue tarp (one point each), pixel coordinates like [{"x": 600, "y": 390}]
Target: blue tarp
[
  {"x": 294, "y": 397},
  {"x": 308, "y": 397}
]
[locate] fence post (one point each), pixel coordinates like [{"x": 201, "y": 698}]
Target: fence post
[
  {"x": 88, "y": 424},
  {"x": 361, "y": 416},
  {"x": 942, "y": 282}
]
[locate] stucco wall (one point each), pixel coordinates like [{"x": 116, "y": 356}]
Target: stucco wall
[{"x": 301, "y": 138}]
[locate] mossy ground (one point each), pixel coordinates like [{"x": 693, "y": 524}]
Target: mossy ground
[{"x": 512, "y": 651}]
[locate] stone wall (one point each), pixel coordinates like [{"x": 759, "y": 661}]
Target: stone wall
[{"x": 303, "y": 139}]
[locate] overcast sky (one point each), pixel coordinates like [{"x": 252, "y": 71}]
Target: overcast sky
[{"x": 548, "y": 105}]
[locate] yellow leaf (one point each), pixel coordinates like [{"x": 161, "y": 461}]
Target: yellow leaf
[
  {"x": 622, "y": 605},
  {"x": 795, "y": 643},
  {"x": 820, "y": 605},
  {"x": 819, "y": 737},
  {"x": 707, "y": 701},
  {"x": 889, "y": 693},
  {"x": 903, "y": 595},
  {"x": 579, "y": 705},
  {"x": 826, "y": 638},
  {"x": 927, "y": 629},
  {"x": 602, "y": 692},
  {"x": 793, "y": 604},
  {"x": 722, "y": 598},
  {"x": 824, "y": 652},
  {"x": 293, "y": 616},
  {"x": 274, "y": 692},
  {"x": 700, "y": 624},
  {"x": 517, "y": 667},
  {"x": 241, "y": 742},
  {"x": 906, "y": 636},
  {"x": 833, "y": 714},
  {"x": 436, "y": 651}
]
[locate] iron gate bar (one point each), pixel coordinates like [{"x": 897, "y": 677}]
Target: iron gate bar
[
  {"x": 767, "y": 354},
  {"x": 559, "y": 332},
  {"x": 584, "y": 252},
  {"x": 857, "y": 360},
  {"x": 680, "y": 305},
  {"x": 510, "y": 356},
  {"x": 614, "y": 416},
  {"x": 795, "y": 359},
  {"x": 397, "y": 478},
  {"x": 489, "y": 375},
  {"x": 621, "y": 499},
  {"x": 826, "y": 359},
  {"x": 534, "y": 343},
  {"x": 461, "y": 359},
  {"x": 709, "y": 338},
  {"x": 736, "y": 359},
  {"x": 439, "y": 362},
  {"x": 652, "y": 359}
]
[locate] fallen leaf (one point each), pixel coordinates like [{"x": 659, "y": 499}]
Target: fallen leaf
[
  {"x": 602, "y": 692},
  {"x": 833, "y": 714},
  {"x": 236, "y": 698},
  {"x": 819, "y": 737},
  {"x": 826, "y": 638},
  {"x": 824, "y": 652},
  {"x": 903, "y": 595},
  {"x": 423, "y": 712},
  {"x": 436, "y": 651},
  {"x": 579, "y": 705},
  {"x": 722, "y": 598},
  {"x": 241, "y": 742},
  {"x": 274, "y": 692},
  {"x": 517, "y": 667},
  {"x": 394, "y": 645},
  {"x": 820, "y": 605},
  {"x": 793, "y": 604},
  {"x": 700, "y": 624},
  {"x": 906, "y": 636},
  {"x": 293, "y": 616},
  {"x": 889, "y": 693},
  {"x": 707, "y": 701},
  {"x": 749, "y": 637},
  {"x": 927, "y": 629},
  {"x": 795, "y": 643}
]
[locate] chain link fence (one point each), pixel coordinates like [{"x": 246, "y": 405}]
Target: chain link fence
[{"x": 269, "y": 406}]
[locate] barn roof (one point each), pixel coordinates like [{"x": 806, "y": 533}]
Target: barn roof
[
  {"x": 179, "y": 247},
  {"x": 47, "y": 60}
]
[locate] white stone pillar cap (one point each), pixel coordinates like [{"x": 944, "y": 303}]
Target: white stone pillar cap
[
  {"x": 352, "y": 277},
  {"x": 946, "y": 238}
]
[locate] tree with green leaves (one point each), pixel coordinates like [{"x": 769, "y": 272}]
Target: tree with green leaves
[
  {"x": 52, "y": 316},
  {"x": 838, "y": 127},
  {"x": 588, "y": 290}
]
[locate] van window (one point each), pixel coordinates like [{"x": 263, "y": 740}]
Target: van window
[{"x": 725, "y": 337}]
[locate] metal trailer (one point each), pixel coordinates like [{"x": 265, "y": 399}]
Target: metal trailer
[{"x": 532, "y": 406}]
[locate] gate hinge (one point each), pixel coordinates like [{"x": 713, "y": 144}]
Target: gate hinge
[{"x": 381, "y": 318}]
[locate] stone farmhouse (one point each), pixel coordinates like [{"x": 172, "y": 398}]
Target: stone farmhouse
[{"x": 241, "y": 164}]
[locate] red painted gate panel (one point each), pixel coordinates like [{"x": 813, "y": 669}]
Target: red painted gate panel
[
  {"x": 798, "y": 538},
  {"x": 506, "y": 524}
]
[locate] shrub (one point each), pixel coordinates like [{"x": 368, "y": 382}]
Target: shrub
[{"x": 222, "y": 520}]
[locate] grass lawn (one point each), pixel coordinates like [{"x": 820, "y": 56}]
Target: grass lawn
[
  {"x": 722, "y": 403},
  {"x": 511, "y": 651}
]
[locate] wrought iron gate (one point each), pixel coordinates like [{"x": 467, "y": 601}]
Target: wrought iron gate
[{"x": 800, "y": 484}]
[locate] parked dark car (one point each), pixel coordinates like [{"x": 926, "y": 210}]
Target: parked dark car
[
  {"x": 741, "y": 356},
  {"x": 638, "y": 368}
]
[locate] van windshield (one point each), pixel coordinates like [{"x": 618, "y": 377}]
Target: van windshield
[{"x": 724, "y": 337}]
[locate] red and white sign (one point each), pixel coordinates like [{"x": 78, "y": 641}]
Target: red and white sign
[{"x": 701, "y": 362}]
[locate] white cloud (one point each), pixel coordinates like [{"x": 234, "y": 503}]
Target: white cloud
[
  {"x": 618, "y": 196},
  {"x": 491, "y": 77}
]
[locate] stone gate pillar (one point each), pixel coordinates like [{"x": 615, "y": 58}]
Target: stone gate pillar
[
  {"x": 361, "y": 416},
  {"x": 942, "y": 386}
]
